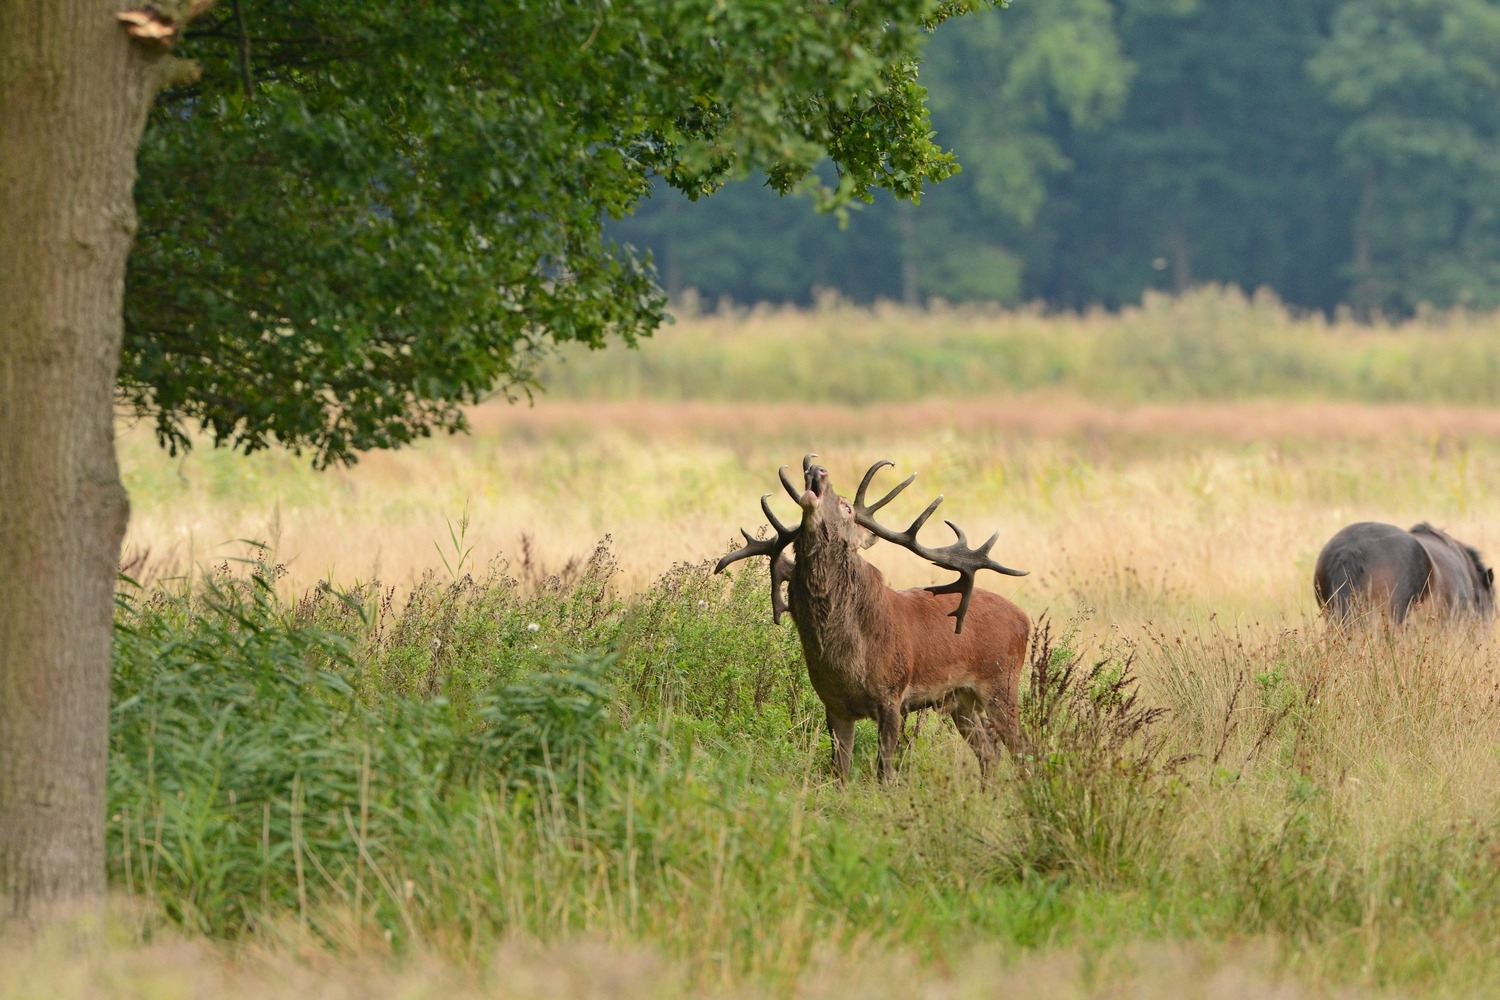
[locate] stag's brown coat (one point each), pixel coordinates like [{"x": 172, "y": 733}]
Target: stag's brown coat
[{"x": 877, "y": 653}]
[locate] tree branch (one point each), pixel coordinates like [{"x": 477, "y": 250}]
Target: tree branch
[{"x": 244, "y": 46}]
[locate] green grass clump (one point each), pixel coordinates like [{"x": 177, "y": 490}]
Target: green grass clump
[
  {"x": 671, "y": 789},
  {"x": 255, "y": 772},
  {"x": 696, "y": 649}
]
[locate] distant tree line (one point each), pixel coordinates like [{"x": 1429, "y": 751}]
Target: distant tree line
[{"x": 1339, "y": 152}]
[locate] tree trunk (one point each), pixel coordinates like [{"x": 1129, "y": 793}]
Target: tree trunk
[
  {"x": 1179, "y": 235},
  {"x": 1366, "y": 293},
  {"x": 1180, "y": 246},
  {"x": 74, "y": 91},
  {"x": 906, "y": 222}
]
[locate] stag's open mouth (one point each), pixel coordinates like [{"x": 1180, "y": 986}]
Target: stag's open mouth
[{"x": 817, "y": 485}]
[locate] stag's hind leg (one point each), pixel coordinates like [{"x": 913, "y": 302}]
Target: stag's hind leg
[
  {"x": 968, "y": 716},
  {"x": 1004, "y": 712}
]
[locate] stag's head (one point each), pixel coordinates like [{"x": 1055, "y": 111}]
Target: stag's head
[
  {"x": 827, "y": 518},
  {"x": 834, "y": 525}
]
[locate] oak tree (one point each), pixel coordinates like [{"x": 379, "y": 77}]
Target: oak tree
[{"x": 354, "y": 219}]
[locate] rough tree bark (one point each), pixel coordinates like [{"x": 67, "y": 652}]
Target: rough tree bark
[{"x": 74, "y": 92}]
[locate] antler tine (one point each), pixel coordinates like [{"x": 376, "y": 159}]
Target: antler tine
[
  {"x": 966, "y": 562},
  {"x": 864, "y": 484},
  {"x": 774, "y": 548},
  {"x": 921, "y": 519},
  {"x": 980, "y": 557},
  {"x": 781, "y": 573},
  {"x": 807, "y": 461},
  {"x": 776, "y": 525},
  {"x": 752, "y": 547},
  {"x": 786, "y": 482},
  {"x": 963, "y": 586},
  {"x": 956, "y": 556},
  {"x": 761, "y": 546}
]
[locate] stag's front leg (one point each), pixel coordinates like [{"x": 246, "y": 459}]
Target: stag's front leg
[
  {"x": 841, "y": 731},
  {"x": 888, "y": 717}
]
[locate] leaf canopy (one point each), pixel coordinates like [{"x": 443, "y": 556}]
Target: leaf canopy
[{"x": 365, "y": 216}]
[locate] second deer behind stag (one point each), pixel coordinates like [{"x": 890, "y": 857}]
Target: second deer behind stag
[{"x": 877, "y": 653}]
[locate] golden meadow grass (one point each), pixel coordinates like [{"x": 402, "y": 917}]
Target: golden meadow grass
[
  {"x": 1168, "y": 510},
  {"x": 1337, "y": 807}
]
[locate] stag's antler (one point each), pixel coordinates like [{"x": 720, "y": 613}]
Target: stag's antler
[
  {"x": 775, "y": 548},
  {"x": 956, "y": 556}
]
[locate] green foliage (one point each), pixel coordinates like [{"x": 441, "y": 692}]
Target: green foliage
[
  {"x": 364, "y": 216},
  {"x": 249, "y": 784},
  {"x": 454, "y": 638},
  {"x": 537, "y": 729},
  {"x": 248, "y": 777},
  {"x": 1301, "y": 872},
  {"x": 1208, "y": 173},
  {"x": 1422, "y": 146},
  {"x": 1338, "y": 152},
  {"x": 1001, "y": 87},
  {"x": 223, "y": 706},
  {"x": 696, "y": 648}
]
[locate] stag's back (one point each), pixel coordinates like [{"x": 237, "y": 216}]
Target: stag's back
[{"x": 991, "y": 648}]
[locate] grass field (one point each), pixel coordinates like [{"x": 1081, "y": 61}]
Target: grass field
[
  {"x": 524, "y": 744},
  {"x": 1149, "y": 511}
]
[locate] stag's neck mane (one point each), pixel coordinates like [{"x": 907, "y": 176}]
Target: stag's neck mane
[{"x": 838, "y": 602}]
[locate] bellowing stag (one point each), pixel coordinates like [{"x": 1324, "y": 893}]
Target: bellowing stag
[{"x": 877, "y": 653}]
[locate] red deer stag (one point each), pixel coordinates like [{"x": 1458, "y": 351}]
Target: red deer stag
[{"x": 877, "y": 653}]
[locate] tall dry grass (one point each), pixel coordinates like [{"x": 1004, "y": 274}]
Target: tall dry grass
[
  {"x": 173, "y": 969},
  {"x": 1140, "y": 512}
]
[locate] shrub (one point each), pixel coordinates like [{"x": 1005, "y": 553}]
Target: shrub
[
  {"x": 1096, "y": 790},
  {"x": 695, "y": 647}
]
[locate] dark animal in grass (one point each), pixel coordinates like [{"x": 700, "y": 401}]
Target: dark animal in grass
[
  {"x": 1380, "y": 568},
  {"x": 877, "y": 653}
]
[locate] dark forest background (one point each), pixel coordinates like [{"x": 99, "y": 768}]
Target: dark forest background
[{"x": 1338, "y": 152}]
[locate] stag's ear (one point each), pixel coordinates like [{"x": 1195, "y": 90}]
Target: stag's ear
[{"x": 869, "y": 538}]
